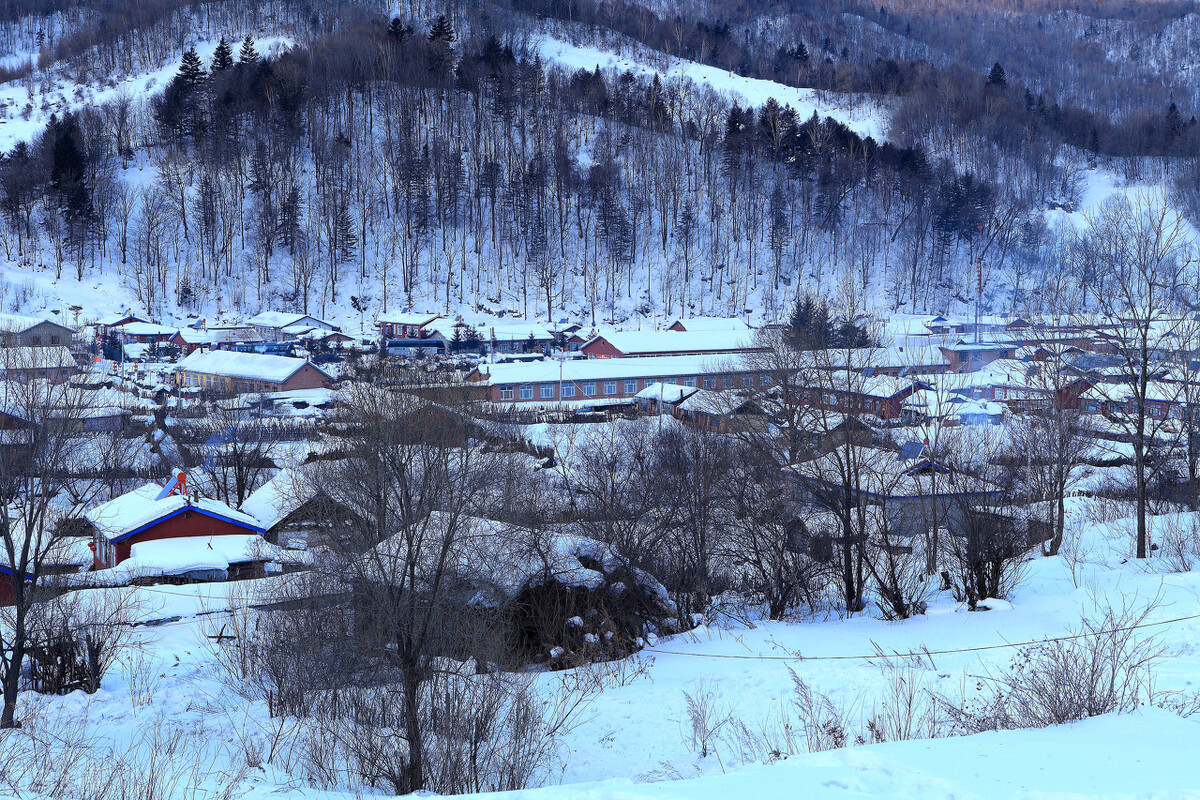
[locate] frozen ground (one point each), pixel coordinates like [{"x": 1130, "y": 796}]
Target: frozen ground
[{"x": 636, "y": 740}]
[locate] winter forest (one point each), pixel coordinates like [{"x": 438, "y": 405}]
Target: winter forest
[{"x": 573, "y": 157}]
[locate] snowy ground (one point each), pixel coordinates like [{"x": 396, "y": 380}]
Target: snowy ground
[{"x": 636, "y": 741}]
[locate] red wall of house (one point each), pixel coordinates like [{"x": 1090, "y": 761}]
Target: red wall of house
[
  {"x": 601, "y": 348},
  {"x": 7, "y": 595},
  {"x": 189, "y": 523},
  {"x": 307, "y": 377}
]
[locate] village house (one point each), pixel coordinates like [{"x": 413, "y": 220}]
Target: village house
[
  {"x": 144, "y": 333},
  {"x": 709, "y": 324},
  {"x": 880, "y": 395},
  {"x": 154, "y": 513},
  {"x": 405, "y": 324},
  {"x": 54, "y": 364},
  {"x": 111, "y": 323},
  {"x": 553, "y": 382},
  {"x": 914, "y": 491},
  {"x": 278, "y": 326},
  {"x": 21, "y": 331},
  {"x": 190, "y": 339},
  {"x": 517, "y": 337},
  {"x": 640, "y": 344},
  {"x": 229, "y": 372},
  {"x": 964, "y": 356}
]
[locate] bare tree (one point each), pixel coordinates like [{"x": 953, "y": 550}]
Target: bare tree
[
  {"x": 1137, "y": 256},
  {"x": 41, "y": 452},
  {"x": 414, "y": 483},
  {"x": 233, "y": 448}
]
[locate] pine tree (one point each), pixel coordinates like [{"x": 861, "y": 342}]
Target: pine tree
[
  {"x": 191, "y": 70},
  {"x": 1174, "y": 122},
  {"x": 222, "y": 57},
  {"x": 441, "y": 30},
  {"x": 996, "y": 77},
  {"x": 809, "y": 327},
  {"x": 346, "y": 240},
  {"x": 397, "y": 31},
  {"x": 247, "y": 55}
]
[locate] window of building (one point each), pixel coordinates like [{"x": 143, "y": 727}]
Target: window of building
[
  {"x": 589, "y": 389},
  {"x": 506, "y": 393},
  {"x": 631, "y": 387},
  {"x": 610, "y": 387},
  {"x": 727, "y": 382},
  {"x": 547, "y": 391},
  {"x": 710, "y": 383},
  {"x": 765, "y": 380},
  {"x": 526, "y": 392},
  {"x": 670, "y": 381},
  {"x": 689, "y": 382},
  {"x": 747, "y": 382},
  {"x": 568, "y": 390}
]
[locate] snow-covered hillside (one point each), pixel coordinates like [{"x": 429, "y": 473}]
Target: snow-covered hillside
[
  {"x": 25, "y": 110},
  {"x": 862, "y": 115}
]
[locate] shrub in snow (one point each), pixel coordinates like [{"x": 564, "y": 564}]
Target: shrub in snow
[{"x": 1106, "y": 665}]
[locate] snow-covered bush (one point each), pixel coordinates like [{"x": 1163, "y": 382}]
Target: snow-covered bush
[{"x": 1104, "y": 665}]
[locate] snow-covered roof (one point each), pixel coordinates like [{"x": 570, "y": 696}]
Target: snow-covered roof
[
  {"x": 193, "y": 554},
  {"x": 515, "y": 332},
  {"x": 278, "y": 497},
  {"x": 16, "y": 323},
  {"x": 282, "y": 319},
  {"x": 138, "y": 509},
  {"x": 709, "y": 402},
  {"x": 666, "y": 392},
  {"x": 147, "y": 329},
  {"x": 250, "y": 366},
  {"x": 702, "y": 324},
  {"x": 667, "y": 342},
  {"x": 20, "y": 358},
  {"x": 120, "y": 318},
  {"x": 593, "y": 369},
  {"x": 407, "y": 318}
]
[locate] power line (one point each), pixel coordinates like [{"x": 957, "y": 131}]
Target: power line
[{"x": 920, "y": 653}]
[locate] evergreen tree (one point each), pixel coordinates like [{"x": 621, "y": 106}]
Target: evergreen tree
[
  {"x": 441, "y": 30},
  {"x": 441, "y": 55},
  {"x": 397, "y": 31},
  {"x": 222, "y": 57},
  {"x": 1174, "y": 122},
  {"x": 996, "y": 77},
  {"x": 191, "y": 70},
  {"x": 813, "y": 327},
  {"x": 345, "y": 243},
  {"x": 809, "y": 326},
  {"x": 247, "y": 55}
]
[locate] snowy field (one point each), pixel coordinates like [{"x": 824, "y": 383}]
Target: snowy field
[{"x": 637, "y": 739}]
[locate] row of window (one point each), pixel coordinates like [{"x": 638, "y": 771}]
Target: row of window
[
  {"x": 211, "y": 382},
  {"x": 548, "y": 391}
]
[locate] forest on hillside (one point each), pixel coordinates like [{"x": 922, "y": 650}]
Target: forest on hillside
[{"x": 437, "y": 157}]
